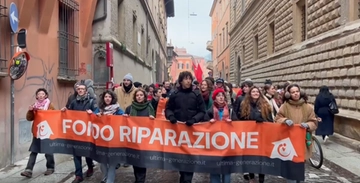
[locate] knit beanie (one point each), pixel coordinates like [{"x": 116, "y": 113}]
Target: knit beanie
[
  {"x": 129, "y": 77},
  {"x": 217, "y": 91}
]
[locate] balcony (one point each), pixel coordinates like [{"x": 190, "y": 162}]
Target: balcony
[{"x": 209, "y": 46}]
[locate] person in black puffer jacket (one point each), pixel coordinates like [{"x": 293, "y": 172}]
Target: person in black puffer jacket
[
  {"x": 254, "y": 107},
  {"x": 185, "y": 105}
]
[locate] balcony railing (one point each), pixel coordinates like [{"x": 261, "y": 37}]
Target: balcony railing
[{"x": 209, "y": 46}]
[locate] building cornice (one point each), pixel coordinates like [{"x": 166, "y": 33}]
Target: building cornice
[
  {"x": 212, "y": 8},
  {"x": 146, "y": 8},
  {"x": 245, "y": 18}
]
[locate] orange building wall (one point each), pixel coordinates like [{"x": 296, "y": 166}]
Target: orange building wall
[
  {"x": 221, "y": 53},
  {"x": 175, "y": 71},
  {"x": 40, "y": 18},
  {"x": 185, "y": 58}
]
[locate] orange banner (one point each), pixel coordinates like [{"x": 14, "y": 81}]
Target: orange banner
[
  {"x": 97, "y": 136},
  {"x": 235, "y": 90},
  {"x": 160, "y": 111}
]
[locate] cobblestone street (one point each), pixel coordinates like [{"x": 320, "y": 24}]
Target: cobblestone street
[{"x": 324, "y": 175}]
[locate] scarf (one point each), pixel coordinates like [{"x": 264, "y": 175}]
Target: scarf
[
  {"x": 42, "y": 104},
  {"x": 128, "y": 89},
  {"x": 111, "y": 109},
  {"x": 221, "y": 107},
  {"x": 135, "y": 107},
  {"x": 81, "y": 98},
  {"x": 205, "y": 95},
  {"x": 272, "y": 103},
  {"x": 289, "y": 114}
]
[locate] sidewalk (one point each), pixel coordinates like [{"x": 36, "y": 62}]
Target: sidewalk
[
  {"x": 64, "y": 171},
  {"x": 342, "y": 152}
]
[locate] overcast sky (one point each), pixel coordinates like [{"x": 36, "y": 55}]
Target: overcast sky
[{"x": 191, "y": 32}]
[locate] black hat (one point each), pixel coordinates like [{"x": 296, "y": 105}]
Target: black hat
[
  {"x": 137, "y": 84},
  {"x": 268, "y": 82},
  {"x": 219, "y": 80}
]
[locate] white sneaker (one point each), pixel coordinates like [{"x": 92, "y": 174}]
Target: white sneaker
[{"x": 325, "y": 139}]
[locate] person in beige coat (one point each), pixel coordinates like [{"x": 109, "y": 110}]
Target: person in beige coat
[
  {"x": 296, "y": 110},
  {"x": 126, "y": 92}
]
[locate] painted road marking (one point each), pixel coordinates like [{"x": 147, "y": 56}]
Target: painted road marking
[
  {"x": 325, "y": 168},
  {"x": 313, "y": 176},
  {"x": 343, "y": 180}
]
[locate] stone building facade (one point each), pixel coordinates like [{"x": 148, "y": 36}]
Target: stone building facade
[
  {"x": 311, "y": 43},
  {"x": 138, "y": 31}
]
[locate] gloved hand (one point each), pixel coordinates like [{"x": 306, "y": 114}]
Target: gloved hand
[
  {"x": 304, "y": 125},
  {"x": 172, "y": 120},
  {"x": 190, "y": 122},
  {"x": 289, "y": 122}
]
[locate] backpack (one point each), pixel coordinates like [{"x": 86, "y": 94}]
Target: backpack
[{"x": 90, "y": 87}]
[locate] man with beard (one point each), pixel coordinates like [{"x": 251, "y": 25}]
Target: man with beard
[
  {"x": 125, "y": 93},
  {"x": 185, "y": 105}
]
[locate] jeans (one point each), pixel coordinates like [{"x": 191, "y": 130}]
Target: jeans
[
  {"x": 186, "y": 177},
  {"x": 140, "y": 174},
  {"x": 78, "y": 165},
  {"x": 50, "y": 162},
  {"x": 220, "y": 178},
  {"x": 108, "y": 171}
]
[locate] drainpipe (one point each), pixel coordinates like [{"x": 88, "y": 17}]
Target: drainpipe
[{"x": 103, "y": 17}]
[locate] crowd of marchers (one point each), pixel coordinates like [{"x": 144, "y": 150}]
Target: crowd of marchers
[{"x": 190, "y": 101}]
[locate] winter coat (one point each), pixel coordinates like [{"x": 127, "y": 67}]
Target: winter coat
[
  {"x": 255, "y": 115},
  {"x": 83, "y": 105},
  {"x": 185, "y": 105},
  {"x": 30, "y": 115},
  {"x": 322, "y": 110},
  {"x": 297, "y": 117},
  {"x": 125, "y": 98},
  {"x": 236, "y": 107}
]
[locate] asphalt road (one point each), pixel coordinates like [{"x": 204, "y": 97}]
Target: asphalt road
[{"x": 329, "y": 173}]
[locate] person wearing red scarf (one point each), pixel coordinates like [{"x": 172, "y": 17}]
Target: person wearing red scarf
[{"x": 219, "y": 112}]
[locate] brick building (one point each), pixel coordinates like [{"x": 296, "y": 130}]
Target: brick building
[
  {"x": 60, "y": 48},
  {"x": 312, "y": 43},
  {"x": 220, "y": 43},
  {"x": 138, "y": 31}
]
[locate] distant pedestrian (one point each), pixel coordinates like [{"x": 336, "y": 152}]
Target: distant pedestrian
[{"x": 322, "y": 110}]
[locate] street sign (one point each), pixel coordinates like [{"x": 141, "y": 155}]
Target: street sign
[
  {"x": 14, "y": 17},
  {"x": 109, "y": 54}
]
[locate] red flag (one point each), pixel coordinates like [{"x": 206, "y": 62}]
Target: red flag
[
  {"x": 198, "y": 73},
  {"x": 194, "y": 67}
]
